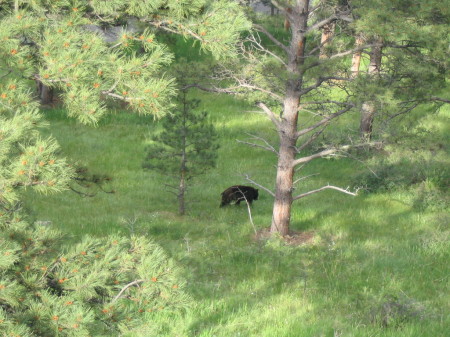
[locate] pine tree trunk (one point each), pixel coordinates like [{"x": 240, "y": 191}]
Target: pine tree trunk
[
  {"x": 183, "y": 168},
  {"x": 45, "y": 93},
  {"x": 182, "y": 191},
  {"x": 368, "y": 108},
  {"x": 327, "y": 35},
  {"x": 281, "y": 216},
  {"x": 356, "y": 58},
  {"x": 367, "y": 115}
]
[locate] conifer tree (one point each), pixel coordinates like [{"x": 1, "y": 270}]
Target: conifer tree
[
  {"x": 302, "y": 82},
  {"x": 186, "y": 147}
]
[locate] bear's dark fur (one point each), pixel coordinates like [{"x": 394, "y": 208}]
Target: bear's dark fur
[{"x": 239, "y": 193}]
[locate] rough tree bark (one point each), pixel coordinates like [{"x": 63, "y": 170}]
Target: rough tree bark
[
  {"x": 327, "y": 35},
  {"x": 368, "y": 108},
  {"x": 281, "y": 216},
  {"x": 45, "y": 93},
  {"x": 356, "y": 58},
  {"x": 183, "y": 168},
  {"x": 182, "y": 189}
]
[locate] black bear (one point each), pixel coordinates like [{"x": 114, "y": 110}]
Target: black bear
[{"x": 239, "y": 193}]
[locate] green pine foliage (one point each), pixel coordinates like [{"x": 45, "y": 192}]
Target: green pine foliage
[
  {"x": 415, "y": 54},
  {"x": 58, "y": 44},
  {"x": 98, "y": 287}
]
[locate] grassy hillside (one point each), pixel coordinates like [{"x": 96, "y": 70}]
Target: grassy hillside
[{"x": 376, "y": 264}]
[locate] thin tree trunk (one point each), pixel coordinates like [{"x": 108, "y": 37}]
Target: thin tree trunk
[
  {"x": 356, "y": 58},
  {"x": 368, "y": 108},
  {"x": 183, "y": 168},
  {"x": 45, "y": 93},
  {"x": 287, "y": 129},
  {"x": 327, "y": 35},
  {"x": 182, "y": 191}
]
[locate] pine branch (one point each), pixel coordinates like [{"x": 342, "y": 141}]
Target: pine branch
[
  {"x": 332, "y": 151},
  {"x": 261, "y": 29},
  {"x": 9, "y": 72},
  {"x": 259, "y": 185},
  {"x": 269, "y": 113},
  {"x": 440, "y": 99},
  {"x": 321, "y": 80},
  {"x": 320, "y": 154},
  {"x": 354, "y": 50},
  {"x": 341, "y": 16},
  {"x": 324, "y": 120},
  {"x": 305, "y": 177},
  {"x": 258, "y": 46},
  {"x": 310, "y": 140},
  {"x": 131, "y": 284},
  {"x": 267, "y": 147},
  {"x": 346, "y": 191}
]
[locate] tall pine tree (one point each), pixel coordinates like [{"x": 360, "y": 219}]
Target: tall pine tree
[{"x": 302, "y": 81}]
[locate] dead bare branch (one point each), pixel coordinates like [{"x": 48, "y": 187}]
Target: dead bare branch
[
  {"x": 346, "y": 191},
  {"x": 134, "y": 283},
  {"x": 352, "y": 51},
  {"x": 261, "y": 29},
  {"x": 255, "y": 145},
  {"x": 270, "y": 114},
  {"x": 210, "y": 89},
  {"x": 324, "y": 120},
  {"x": 304, "y": 177},
  {"x": 342, "y": 15},
  {"x": 321, "y": 80},
  {"x": 259, "y": 185},
  {"x": 267, "y": 145},
  {"x": 248, "y": 209},
  {"x": 310, "y": 140},
  {"x": 320, "y": 154},
  {"x": 256, "y": 43},
  {"x": 322, "y": 23},
  {"x": 333, "y": 151}
]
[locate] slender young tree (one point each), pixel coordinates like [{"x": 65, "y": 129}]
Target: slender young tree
[{"x": 186, "y": 148}]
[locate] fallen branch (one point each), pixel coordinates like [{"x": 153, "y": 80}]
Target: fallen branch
[{"x": 249, "y": 210}]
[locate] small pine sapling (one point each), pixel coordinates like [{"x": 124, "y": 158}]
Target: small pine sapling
[{"x": 186, "y": 147}]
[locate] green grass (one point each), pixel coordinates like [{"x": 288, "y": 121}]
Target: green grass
[{"x": 368, "y": 251}]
